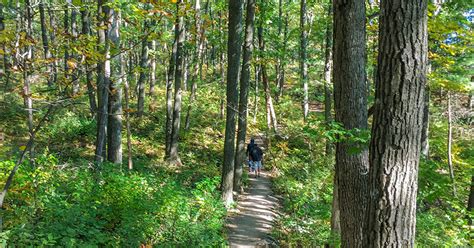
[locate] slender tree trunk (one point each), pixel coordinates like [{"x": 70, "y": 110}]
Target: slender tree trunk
[
  {"x": 152, "y": 48},
  {"x": 75, "y": 35},
  {"x": 199, "y": 37},
  {"x": 271, "y": 116},
  {"x": 350, "y": 102},
  {"x": 86, "y": 29},
  {"x": 28, "y": 101},
  {"x": 169, "y": 96},
  {"x": 180, "y": 36},
  {"x": 398, "y": 118},
  {"x": 335, "y": 215},
  {"x": 114, "y": 123},
  {"x": 144, "y": 63},
  {"x": 44, "y": 38},
  {"x": 327, "y": 76},
  {"x": 234, "y": 46},
  {"x": 257, "y": 80},
  {"x": 303, "y": 64},
  {"x": 52, "y": 37},
  {"x": 425, "y": 144},
  {"x": 66, "y": 44},
  {"x": 127, "y": 111},
  {"x": 470, "y": 204},
  {"x": 222, "y": 64},
  {"x": 103, "y": 81},
  {"x": 281, "y": 79},
  {"x": 450, "y": 143},
  {"x": 244, "y": 91}
]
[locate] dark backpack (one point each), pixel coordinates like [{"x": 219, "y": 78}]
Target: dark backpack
[{"x": 256, "y": 153}]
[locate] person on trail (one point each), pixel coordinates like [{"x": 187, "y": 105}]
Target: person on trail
[
  {"x": 250, "y": 148},
  {"x": 255, "y": 157}
]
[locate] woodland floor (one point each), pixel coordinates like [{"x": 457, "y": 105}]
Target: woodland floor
[{"x": 257, "y": 209}]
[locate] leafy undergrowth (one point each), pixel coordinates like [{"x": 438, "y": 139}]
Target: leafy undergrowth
[
  {"x": 78, "y": 205},
  {"x": 67, "y": 201},
  {"x": 305, "y": 183}
]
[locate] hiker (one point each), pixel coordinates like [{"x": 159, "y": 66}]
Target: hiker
[
  {"x": 255, "y": 157},
  {"x": 250, "y": 148}
]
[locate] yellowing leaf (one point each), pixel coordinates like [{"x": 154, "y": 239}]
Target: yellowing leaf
[{"x": 22, "y": 148}]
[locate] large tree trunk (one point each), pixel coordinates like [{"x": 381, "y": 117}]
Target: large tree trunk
[
  {"x": 350, "y": 100},
  {"x": 103, "y": 81},
  {"x": 303, "y": 64},
  {"x": 450, "y": 143},
  {"x": 327, "y": 76},
  {"x": 179, "y": 36},
  {"x": 114, "y": 124},
  {"x": 425, "y": 144},
  {"x": 244, "y": 92},
  {"x": 169, "y": 97},
  {"x": 234, "y": 46},
  {"x": 85, "y": 16},
  {"x": 398, "y": 118}
]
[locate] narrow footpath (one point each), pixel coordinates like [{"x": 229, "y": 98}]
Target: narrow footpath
[{"x": 257, "y": 209}]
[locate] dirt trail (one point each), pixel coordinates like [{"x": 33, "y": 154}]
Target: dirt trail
[{"x": 257, "y": 210}]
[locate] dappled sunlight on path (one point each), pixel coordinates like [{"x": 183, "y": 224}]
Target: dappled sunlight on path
[{"x": 257, "y": 210}]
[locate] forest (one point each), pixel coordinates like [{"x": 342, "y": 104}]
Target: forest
[{"x": 125, "y": 123}]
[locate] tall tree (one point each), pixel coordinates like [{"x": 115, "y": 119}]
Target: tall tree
[
  {"x": 303, "y": 64},
  {"x": 86, "y": 31},
  {"x": 144, "y": 70},
  {"x": 244, "y": 92},
  {"x": 234, "y": 46},
  {"x": 44, "y": 38},
  {"x": 103, "y": 80},
  {"x": 450, "y": 142},
  {"x": 199, "y": 42},
  {"x": 114, "y": 123},
  {"x": 350, "y": 100},
  {"x": 398, "y": 117},
  {"x": 180, "y": 35},
  {"x": 327, "y": 74}
]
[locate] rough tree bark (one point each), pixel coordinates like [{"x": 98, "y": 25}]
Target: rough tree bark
[
  {"x": 234, "y": 46},
  {"x": 114, "y": 123},
  {"x": 398, "y": 117},
  {"x": 244, "y": 91},
  {"x": 179, "y": 36},
  {"x": 350, "y": 104}
]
